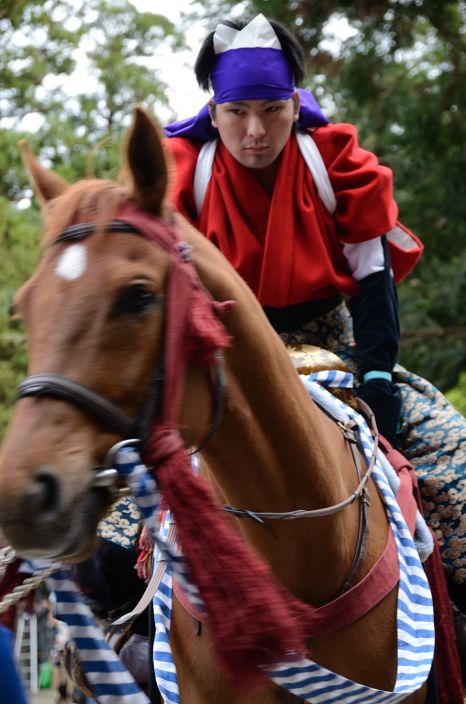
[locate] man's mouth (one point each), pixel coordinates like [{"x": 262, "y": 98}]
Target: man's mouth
[{"x": 257, "y": 148}]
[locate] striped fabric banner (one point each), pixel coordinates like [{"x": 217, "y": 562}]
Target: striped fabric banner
[
  {"x": 164, "y": 666},
  {"x": 333, "y": 378},
  {"x": 109, "y": 680},
  {"x": 147, "y": 497},
  {"x": 307, "y": 679}
]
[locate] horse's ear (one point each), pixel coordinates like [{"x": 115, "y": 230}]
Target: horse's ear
[
  {"x": 147, "y": 164},
  {"x": 46, "y": 183}
]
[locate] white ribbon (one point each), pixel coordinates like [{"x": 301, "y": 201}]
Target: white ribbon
[{"x": 258, "y": 33}]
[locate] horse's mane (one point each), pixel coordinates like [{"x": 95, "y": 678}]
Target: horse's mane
[{"x": 90, "y": 199}]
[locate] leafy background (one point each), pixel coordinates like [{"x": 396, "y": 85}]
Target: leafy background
[{"x": 395, "y": 68}]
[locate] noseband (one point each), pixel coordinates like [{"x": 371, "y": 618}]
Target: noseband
[{"x": 102, "y": 410}]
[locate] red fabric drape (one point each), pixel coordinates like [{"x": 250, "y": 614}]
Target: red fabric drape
[{"x": 288, "y": 247}]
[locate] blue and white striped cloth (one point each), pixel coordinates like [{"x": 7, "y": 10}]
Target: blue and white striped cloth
[
  {"x": 307, "y": 679},
  {"x": 109, "y": 680},
  {"x": 148, "y": 499},
  {"x": 331, "y": 378},
  {"x": 164, "y": 666}
]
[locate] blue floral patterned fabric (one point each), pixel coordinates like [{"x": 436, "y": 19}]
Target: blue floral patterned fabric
[
  {"x": 122, "y": 524},
  {"x": 432, "y": 437}
]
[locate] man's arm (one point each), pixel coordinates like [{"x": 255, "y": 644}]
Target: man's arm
[{"x": 377, "y": 334}]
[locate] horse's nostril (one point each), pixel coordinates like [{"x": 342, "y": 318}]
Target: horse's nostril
[{"x": 45, "y": 496}]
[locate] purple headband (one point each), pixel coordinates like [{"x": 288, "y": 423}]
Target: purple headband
[
  {"x": 200, "y": 128},
  {"x": 252, "y": 74}
]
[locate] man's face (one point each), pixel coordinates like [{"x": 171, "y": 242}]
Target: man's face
[{"x": 255, "y": 131}]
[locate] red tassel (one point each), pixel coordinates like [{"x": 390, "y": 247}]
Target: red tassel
[
  {"x": 145, "y": 558},
  {"x": 253, "y": 621},
  {"x": 11, "y": 579},
  {"x": 204, "y": 333}
]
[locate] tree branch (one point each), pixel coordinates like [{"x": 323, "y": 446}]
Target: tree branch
[{"x": 458, "y": 332}]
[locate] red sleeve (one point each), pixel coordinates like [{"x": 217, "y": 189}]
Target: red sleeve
[
  {"x": 183, "y": 155},
  {"x": 363, "y": 187}
]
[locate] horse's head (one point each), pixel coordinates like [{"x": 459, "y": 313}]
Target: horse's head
[{"x": 94, "y": 311}]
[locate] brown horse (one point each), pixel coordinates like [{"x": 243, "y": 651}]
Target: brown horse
[{"x": 95, "y": 315}]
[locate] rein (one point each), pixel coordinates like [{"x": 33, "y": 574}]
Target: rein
[
  {"x": 359, "y": 492},
  {"x": 29, "y": 584}
]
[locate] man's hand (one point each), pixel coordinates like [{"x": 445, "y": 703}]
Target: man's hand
[{"x": 384, "y": 399}]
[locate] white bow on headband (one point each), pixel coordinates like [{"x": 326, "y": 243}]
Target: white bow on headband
[{"x": 258, "y": 33}]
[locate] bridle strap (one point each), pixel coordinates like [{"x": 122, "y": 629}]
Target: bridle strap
[
  {"x": 218, "y": 403},
  {"x": 84, "y": 229},
  {"x": 64, "y": 389},
  {"x": 151, "y": 405},
  {"x": 111, "y": 415},
  {"x": 360, "y": 491}
]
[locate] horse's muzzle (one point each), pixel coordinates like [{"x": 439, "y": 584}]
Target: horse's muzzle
[{"x": 40, "y": 524}]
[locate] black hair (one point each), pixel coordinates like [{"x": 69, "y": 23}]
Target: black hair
[{"x": 291, "y": 48}]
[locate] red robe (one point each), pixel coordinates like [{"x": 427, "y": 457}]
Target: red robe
[{"x": 288, "y": 247}]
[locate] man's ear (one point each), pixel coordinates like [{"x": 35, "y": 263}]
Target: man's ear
[
  {"x": 296, "y": 105},
  {"x": 211, "y": 108}
]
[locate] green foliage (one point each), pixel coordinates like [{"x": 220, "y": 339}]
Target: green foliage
[
  {"x": 457, "y": 396},
  {"x": 42, "y": 44},
  {"x": 19, "y": 252},
  {"x": 434, "y": 321}
]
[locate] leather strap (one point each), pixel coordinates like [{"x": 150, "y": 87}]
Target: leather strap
[
  {"x": 363, "y": 528},
  {"x": 97, "y": 406}
]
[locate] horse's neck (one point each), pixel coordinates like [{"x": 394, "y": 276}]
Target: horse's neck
[
  {"x": 275, "y": 450},
  {"x": 285, "y": 439}
]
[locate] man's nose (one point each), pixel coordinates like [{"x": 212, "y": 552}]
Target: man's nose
[{"x": 255, "y": 126}]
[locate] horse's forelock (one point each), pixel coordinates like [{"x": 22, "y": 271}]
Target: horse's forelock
[{"x": 92, "y": 199}]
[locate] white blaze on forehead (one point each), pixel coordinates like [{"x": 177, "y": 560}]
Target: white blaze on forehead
[{"x": 72, "y": 263}]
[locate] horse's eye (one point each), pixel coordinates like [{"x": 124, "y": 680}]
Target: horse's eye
[{"x": 135, "y": 299}]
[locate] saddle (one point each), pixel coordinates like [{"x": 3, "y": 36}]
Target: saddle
[{"x": 309, "y": 359}]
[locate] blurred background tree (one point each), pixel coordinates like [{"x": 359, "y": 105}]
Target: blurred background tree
[{"x": 394, "y": 68}]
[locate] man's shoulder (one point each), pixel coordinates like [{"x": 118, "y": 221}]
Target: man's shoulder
[
  {"x": 182, "y": 147},
  {"x": 336, "y": 139},
  {"x": 334, "y": 130}
]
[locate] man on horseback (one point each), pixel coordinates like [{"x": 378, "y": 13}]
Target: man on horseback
[
  {"x": 308, "y": 218},
  {"x": 262, "y": 209}
]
